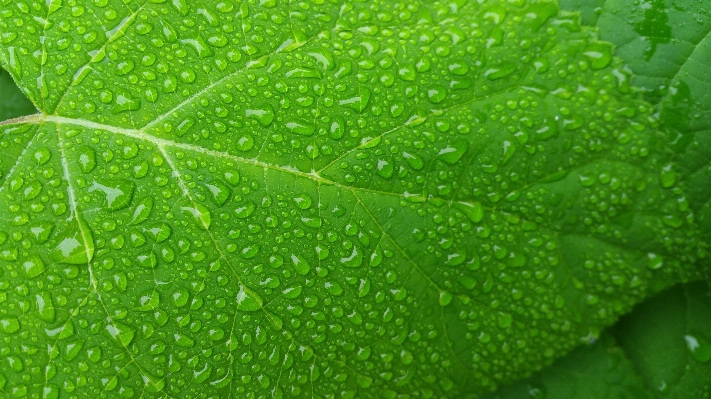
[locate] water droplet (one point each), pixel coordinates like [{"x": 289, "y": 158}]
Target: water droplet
[
  {"x": 147, "y": 260},
  {"x": 148, "y": 301},
  {"x": 142, "y": 211},
  {"x": 357, "y": 102},
  {"x": 385, "y": 168},
  {"x": 42, "y": 155},
  {"x": 245, "y": 143},
  {"x": 200, "y": 215},
  {"x": 121, "y": 334},
  {"x": 413, "y": 160},
  {"x": 41, "y": 231},
  {"x": 700, "y": 348},
  {"x": 250, "y": 251},
  {"x": 355, "y": 259},
  {"x": 436, "y": 93},
  {"x": 264, "y": 114},
  {"x": 407, "y": 72},
  {"x": 333, "y": 288},
  {"x": 73, "y": 245},
  {"x": 445, "y": 298},
  {"x": 456, "y": 258},
  {"x": 219, "y": 192},
  {"x": 654, "y": 261},
  {"x": 301, "y": 127},
  {"x": 323, "y": 58},
  {"x": 300, "y": 264},
  {"x": 474, "y": 211},
  {"x": 599, "y": 54},
  {"x": 453, "y": 152},
  {"x": 183, "y": 340},
  {"x": 33, "y": 267},
  {"x": 9, "y": 254},
  {"x": 667, "y": 176},
  {"x": 500, "y": 71},
  {"x": 248, "y": 300},
  {"x": 302, "y": 201},
  {"x": 376, "y": 257},
  {"x": 117, "y": 193},
  {"x": 9, "y": 325},
  {"x": 243, "y": 211},
  {"x": 45, "y": 306}
]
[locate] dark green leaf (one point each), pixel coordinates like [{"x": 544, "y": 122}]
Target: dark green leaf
[
  {"x": 13, "y": 103},
  {"x": 668, "y": 338},
  {"x": 598, "y": 371}
]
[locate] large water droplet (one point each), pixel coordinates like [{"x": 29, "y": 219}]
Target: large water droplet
[
  {"x": 121, "y": 334},
  {"x": 200, "y": 215},
  {"x": 73, "y": 244},
  {"x": 33, "y": 267},
  {"x": 700, "y": 348},
  {"x": 248, "y": 300},
  {"x": 355, "y": 259},
  {"x": 300, "y": 264},
  {"x": 117, "y": 193}
]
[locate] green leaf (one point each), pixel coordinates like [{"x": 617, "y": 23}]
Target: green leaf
[
  {"x": 668, "y": 338},
  {"x": 598, "y": 371},
  {"x": 667, "y": 44},
  {"x": 321, "y": 199},
  {"x": 13, "y": 104},
  {"x": 662, "y": 349}
]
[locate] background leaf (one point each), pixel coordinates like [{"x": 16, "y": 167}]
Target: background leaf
[
  {"x": 668, "y": 338},
  {"x": 13, "y": 103},
  {"x": 601, "y": 370},
  {"x": 661, "y": 349},
  {"x": 667, "y": 44}
]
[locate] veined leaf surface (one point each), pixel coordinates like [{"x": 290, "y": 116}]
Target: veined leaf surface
[{"x": 321, "y": 199}]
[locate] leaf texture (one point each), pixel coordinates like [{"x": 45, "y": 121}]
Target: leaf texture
[{"x": 321, "y": 199}]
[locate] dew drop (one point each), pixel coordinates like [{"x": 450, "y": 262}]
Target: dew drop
[
  {"x": 220, "y": 193},
  {"x": 385, "y": 168},
  {"x": 9, "y": 325},
  {"x": 200, "y": 215},
  {"x": 119, "y": 333},
  {"x": 33, "y": 267},
  {"x": 264, "y": 114},
  {"x": 355, "y": 259},
  {"x": 445, "y": 298},
  {"x": 453, "y": 152},
  {"x": 117, "y": 193},
  {"x": 473, "y": 211},
  {"x": 667, "y": 176},
  {"x": 300, "y": 264},
  {"x": 248, "y": 300},
  {"x": 245, "y": 143},
  {"x": 73, "y": 246}
]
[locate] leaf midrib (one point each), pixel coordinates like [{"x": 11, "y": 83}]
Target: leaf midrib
[{"x": 139, "y": 134}]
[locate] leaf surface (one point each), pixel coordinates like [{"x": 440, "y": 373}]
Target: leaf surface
[
  {"x": 598, "y": 371},
  {"x": 667, "y": 44},
  {"x": 661, "y": 349},
  {"x": 321, "y": 199},
  {"x": 668, "y": 337}
]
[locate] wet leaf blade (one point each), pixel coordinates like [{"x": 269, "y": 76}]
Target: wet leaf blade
[
  {"x": 290, "y": 201},
  {"x": 601, "y": 370}
]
